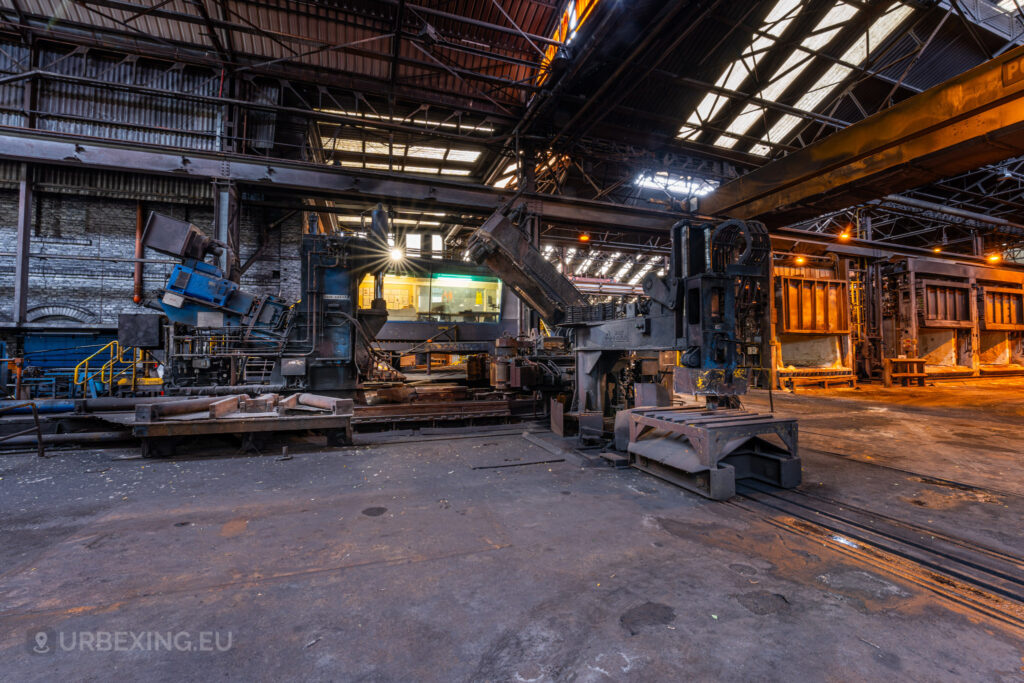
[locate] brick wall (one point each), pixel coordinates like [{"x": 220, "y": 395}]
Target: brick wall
[{"x": 96, "y": 291}]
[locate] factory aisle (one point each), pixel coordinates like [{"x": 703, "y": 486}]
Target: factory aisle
[{"x": 487, "y": 557}]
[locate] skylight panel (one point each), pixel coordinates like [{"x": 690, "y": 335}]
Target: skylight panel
[
  {"x": 413, "y": 244},
  {"x": 467, "y": 155},
  {"x": 422, "y": 152},
  {"x": 347, "y": 145},
  {"x": 857, "y": 54},
  {"x": 454, "y": 171},
  {"x": 775, "y": 24},
  {"x": 425, "y": 122},
  {"x": 791, "y": 68},
  {"x": 640, "y": 274},
  {"x": 608, "y": 263},
  {"x": 586, "y": 264},
  {"x": 377, "y": 148},
  {"x": 507, "y": 175},
  {"x": 676, "y": 184},
  {"x": 413, "y": 221}
]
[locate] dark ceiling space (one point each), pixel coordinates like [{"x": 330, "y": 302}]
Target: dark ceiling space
[{"x": 686, "y": 95}]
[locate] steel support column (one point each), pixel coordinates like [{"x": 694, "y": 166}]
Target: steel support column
[
  {"x": 23, "y": 240},
  {"x": 226, "y": 211}
]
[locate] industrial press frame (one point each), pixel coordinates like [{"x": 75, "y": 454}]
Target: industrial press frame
[{"x": 709, "y": 311}]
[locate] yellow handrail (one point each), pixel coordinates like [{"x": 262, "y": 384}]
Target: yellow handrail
[
  {"x": 109, "y": 372},
  {"x": 138, "y": 357},
  {"x": 112, "y": 348}
]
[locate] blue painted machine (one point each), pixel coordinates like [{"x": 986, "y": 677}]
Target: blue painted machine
[{"x": 221, "y": 335}]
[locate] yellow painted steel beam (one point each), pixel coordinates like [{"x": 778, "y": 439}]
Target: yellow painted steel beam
[{"x": 969, "y": 121}]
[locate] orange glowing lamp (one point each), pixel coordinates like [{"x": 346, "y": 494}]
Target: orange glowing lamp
[{"x": 584, "y": 237}]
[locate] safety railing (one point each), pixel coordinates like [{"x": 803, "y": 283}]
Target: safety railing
[
  {"x": 37, "y": 428},
  {"x": 130, "y": 367},
  {"x": 113, "y": 366},
  {"x": 83, "y": 372}
]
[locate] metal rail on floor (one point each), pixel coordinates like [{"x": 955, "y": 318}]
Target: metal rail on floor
[
  {"x": 983, "y": 579},
  {"x": 37, "y": 428}
]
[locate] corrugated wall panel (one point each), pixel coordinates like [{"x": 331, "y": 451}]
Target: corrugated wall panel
[
  {"x": 122, "y": 185},
  {"x": 80, "y": 181},
  {"x": 154, "y": 119},
  {"x": 13, "y": 60},
  {"x": 10, "y": 173}
]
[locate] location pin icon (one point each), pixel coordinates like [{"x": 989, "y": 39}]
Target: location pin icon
[{"x": 42, "y": 642}]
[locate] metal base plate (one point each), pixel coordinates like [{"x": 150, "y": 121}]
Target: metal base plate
[{"x": 720, "y": 483}]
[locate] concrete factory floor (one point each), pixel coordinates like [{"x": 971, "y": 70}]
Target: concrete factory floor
[{"x": 435, "y": 557}]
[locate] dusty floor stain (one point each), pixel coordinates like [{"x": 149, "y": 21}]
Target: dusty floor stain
[{"x": 235, "y": 527}]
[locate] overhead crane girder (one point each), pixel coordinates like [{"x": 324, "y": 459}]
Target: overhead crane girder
[{"x": 967, "y": 122}]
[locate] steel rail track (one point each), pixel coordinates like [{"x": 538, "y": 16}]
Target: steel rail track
[{"x": 981, "y": 578}]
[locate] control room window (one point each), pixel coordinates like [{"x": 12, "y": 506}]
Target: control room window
[{"x": 443, "y": 297}]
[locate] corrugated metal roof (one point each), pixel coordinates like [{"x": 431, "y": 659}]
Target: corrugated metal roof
[{"x": 351, "y": 37}]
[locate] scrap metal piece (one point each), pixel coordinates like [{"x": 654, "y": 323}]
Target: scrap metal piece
[
  {"x": 151, "y": 412},
  {"x": 224, "y": 406},
  {"x": 336, "y": 406}
]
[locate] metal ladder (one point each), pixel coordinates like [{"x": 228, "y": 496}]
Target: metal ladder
[{"x": 257, "y": 370}]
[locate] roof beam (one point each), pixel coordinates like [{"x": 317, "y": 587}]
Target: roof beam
[
  {"x": 285, "y": 39},
  {"x": 974, "y": 119},
  {"x": 992, "y": 19},
  {"x": 82, "y": 35},
  {"x": 313, "y": 179}
]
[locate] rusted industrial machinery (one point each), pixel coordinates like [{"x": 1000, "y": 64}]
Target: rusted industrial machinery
[
  {"x": 532, "y": 364},
  {"x": 709, "y": 311},
  {"x": 812, "y": 340},
  {"x": 221, "y": 335},
  {"x": 944, "y": 319}
]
